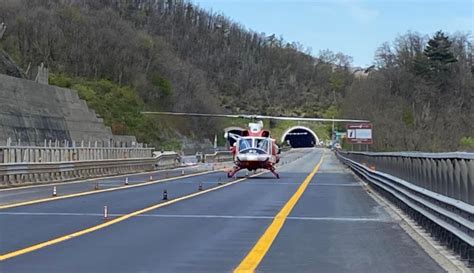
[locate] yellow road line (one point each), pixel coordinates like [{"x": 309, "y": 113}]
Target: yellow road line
[
  {"x": 13, "y": 205},
  {"x": 256, "y": 254},
  {"x": 113, "y": 221}
]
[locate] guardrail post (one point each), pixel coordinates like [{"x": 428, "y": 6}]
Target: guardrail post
[
  {"x": 470, "y": 181},
  {"x": 450, "y": 177},
  {"x": 457, "y": 183}
]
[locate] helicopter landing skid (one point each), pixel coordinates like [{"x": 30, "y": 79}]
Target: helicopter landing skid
[
  {"x": 233, "y": 172},
  {"x": 236, "y": 169},
  {"x": 275, "y": 173}
]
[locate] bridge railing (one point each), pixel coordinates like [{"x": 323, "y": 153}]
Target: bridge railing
[
  {"x": 448, "y": 174},
  {"x": 436, "y": 189}
]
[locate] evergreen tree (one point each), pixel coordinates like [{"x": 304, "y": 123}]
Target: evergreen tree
[
  {"x": 438, "y": 52},
  {"x": 435, "y": 62}
]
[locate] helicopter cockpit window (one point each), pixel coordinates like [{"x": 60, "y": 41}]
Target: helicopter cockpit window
[
  {"x": 245, "y": 143},
  {"x": 254, "y": 145},
  {"x": 262, "y": 144}
]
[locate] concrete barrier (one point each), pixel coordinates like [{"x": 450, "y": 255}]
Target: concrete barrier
[
  {"x": 219, "y": 156},
  {"x": 166, "y": 160}
]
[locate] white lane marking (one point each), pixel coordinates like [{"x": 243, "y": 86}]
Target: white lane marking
[
  {"x": 256, "y": 182},
  {"x": 54, "y": 214},
  {"x": 207, "y": 216},
  {"x": 337, "y": 185},
  {"x": 347, "y": 219},
  {"x": 341, "y": 219},
  {"x": 253, "y": 182}
]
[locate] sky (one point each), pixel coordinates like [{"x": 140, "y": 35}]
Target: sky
[{"x": 354, "y": 27}]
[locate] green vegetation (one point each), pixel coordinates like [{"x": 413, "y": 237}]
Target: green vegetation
[
  {"x": 119, "y": 106},
  {"x": 163, "y": 86},
  {"x": 467, "y": 143},
  {"x": 407, "y": 118}
]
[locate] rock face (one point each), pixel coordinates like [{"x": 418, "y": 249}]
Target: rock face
[
  {"x": 34, "y": 112},
  {"x": 8, "y": 66}
]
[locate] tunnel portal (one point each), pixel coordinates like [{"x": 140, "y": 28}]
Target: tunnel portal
[{"x": 300, "y": 137}]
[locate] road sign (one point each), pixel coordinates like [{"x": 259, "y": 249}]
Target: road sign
[{"x": 359, "y": 133}]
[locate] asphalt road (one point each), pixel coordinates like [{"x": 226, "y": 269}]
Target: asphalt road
[{"x": 334, "y": 227}]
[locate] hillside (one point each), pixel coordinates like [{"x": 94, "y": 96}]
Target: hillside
[
  {"x": 421, "y": 97},
  {"x": 173, "y": 55}
]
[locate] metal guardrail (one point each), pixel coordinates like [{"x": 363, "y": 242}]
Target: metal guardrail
[
  {"x": 436, "y": 189},
  {"x": 27, "y": 172},
  {"x": 446, "y": 174},
  {"x": 219, "y": 156},
  {"x": 21, "y": 154}
]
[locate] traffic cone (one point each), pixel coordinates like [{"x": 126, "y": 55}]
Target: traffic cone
[
  {"x": 126, "y": 180},
  {"x": 165, "y": 195},
  {"x": 151, "y": 178},
  {"x": 54, "y": 191}
]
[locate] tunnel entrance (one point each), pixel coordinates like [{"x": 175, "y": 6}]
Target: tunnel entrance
[{"x": 300, "y": 137}]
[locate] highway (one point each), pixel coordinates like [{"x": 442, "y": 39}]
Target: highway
[{"x": 317, "y": 218}]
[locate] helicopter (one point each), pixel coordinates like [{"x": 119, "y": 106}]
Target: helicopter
[{"x": 254, "y": 148}]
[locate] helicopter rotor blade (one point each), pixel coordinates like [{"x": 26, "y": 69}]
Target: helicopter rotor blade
[
  {"x": 194, "y": 114},
  {"x": 254, "y": 117},
  {"x": 234, "y": 136},
  {"x": 310, "y": 119}
]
